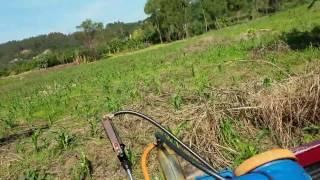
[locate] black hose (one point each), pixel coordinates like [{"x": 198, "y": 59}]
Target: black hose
[
  {"x": 211, "y": 170},
  {"x": 162, "y": 138}
]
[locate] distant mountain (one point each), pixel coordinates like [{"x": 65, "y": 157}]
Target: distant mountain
[{"x": 14, "y": 51}]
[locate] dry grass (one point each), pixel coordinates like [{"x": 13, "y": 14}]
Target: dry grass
[
  {"x": 287, "y": 108},
  {"x": 204, "y": 43},
  {"x": 262, "y": 52},
  {"x": 284, "y": 110}
]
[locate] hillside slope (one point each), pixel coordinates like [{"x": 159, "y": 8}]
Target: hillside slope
[{"x": 204, "y": 88}]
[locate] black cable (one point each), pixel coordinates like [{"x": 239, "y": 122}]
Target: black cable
[
  {"x": 212, "y": 172},
  {"x": 183, "y": 154}
]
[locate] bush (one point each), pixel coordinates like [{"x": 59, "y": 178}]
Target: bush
[
  {"x": 20, "y": 67},
  {"x": 4, "y": 72},
  {"x": 197, "y": 28},
  {"x": 118, "y": 45},
  {"x": 90, "y": 54},
  {"x": 66, "y": 56},
  {"x": 47, "y": 60}
]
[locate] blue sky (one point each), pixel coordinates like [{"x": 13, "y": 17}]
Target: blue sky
[{"x": 20, "y": 19}]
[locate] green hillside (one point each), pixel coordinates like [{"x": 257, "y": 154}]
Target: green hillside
[{"x": 211, "y": 90}]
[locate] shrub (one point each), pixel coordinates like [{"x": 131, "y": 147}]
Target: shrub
[
  {"x": 46, "y": 60},
  {"x": 66, "y": 56}
]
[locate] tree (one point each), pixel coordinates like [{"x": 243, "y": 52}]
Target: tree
[
  {"x": 212, "y": 10},
  {"x": 149, "y": 32},
  {"x": 187, "y": 6},
  {"x": 274, "y": 4},
  {"x": 239, "y": 6},
  {"x": 152, "y": 8},
  {"x": 138, "y": 34},
  {"x": 171, "y": 18},
  {"x": 90, "y": 29},
  {"x": 204, "y": 15},
  {"x": 312, "y": 4}
]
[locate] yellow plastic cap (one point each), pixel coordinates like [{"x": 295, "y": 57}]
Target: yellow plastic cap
[{"x": 263, "y": 158}]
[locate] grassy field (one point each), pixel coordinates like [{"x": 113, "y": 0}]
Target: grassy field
[{"x": 177, "y": 83}]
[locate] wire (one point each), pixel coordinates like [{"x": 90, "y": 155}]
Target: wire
[{"x": 212, "y": 172}]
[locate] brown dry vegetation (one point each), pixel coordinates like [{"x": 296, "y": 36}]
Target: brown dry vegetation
[
  {"x": 288, "y": 108},
  {"x": 283, "y": 111}
]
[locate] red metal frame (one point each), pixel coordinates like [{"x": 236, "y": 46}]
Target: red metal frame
[{"x": 308, "y": 154}]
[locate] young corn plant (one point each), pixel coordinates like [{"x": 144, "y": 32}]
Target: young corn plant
[
  {"x": 51, "y": 115},
  {"x": 112, "y": 104},
  {"x": 8, "y": 122},
  {"x": 267, "y": 82},
  {"x": 94, "y": 125},
  {"x": 178, "y": 130},
  {"x": 83, "y": 169},
  {"x": 220, "y": 68},
  {"x": 20, "y": 147},
  {"x": 64, "y": 140},
  {"x": 92, "y": 117},
  {"x": 193, "y": 71},
  {"x": 132, "y": 156},
  {"x": 34, "y": 174},
  {"x": 202, "y": 84},
  {"x": 35, "y": 139},
  {"x": 176, "y": 101},
  {"x": 31, "y": 175}
]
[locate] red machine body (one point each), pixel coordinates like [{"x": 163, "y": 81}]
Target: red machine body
[{"x": 309, "y": 157}]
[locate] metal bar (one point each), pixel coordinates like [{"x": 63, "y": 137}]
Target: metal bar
[
  {"x": 117, "y": 145},
  {"x": 112, "y": 135}
]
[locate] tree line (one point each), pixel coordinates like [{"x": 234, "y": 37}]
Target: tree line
[
  {"x": 168, "y": 20},
  {"x": 178, "y": 19},
  {"x": 91, "y": 41}
]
